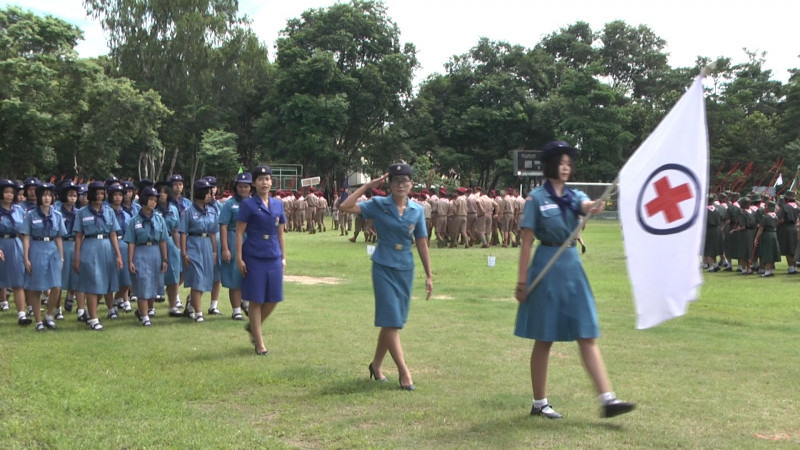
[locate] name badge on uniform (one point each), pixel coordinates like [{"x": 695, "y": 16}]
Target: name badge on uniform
[
  {"x": 138, "y": 225},
  {"x": 548, "y": 207},
  {"x": 36, "y": 221},
  {"x": 196, "y": 216},
  {"x": 411, "y": 229},
  {"x": 277, "y": 221},
  {"x": 87, "y": 219},
  {"x": 235, "y": 207}
]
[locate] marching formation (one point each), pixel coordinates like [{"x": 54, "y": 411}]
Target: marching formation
[
  {"x": 755, "y": 231},
  {"x": 120, "y": 243}
]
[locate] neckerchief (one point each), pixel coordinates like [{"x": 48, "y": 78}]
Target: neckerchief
[
  {"x": 565, "y": 202},
  {"x": 7, "y": 213},
  {"x": 149, "y": 221},
  {"x": 203, "y": 211},
  {"x": 97, "y": 215},
  {"x": 69, "y": 218},
  {"x": 120, "y": 214},
  {"x": 47, "y": 221},
  {"x": 164, "y": 210}
]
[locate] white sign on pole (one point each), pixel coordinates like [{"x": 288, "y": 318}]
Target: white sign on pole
[{"x": 309, "y": 181}]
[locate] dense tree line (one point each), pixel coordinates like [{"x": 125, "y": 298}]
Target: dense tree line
[{"x": 187, "y": 87}]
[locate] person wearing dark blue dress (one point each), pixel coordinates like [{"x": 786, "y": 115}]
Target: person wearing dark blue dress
[
  {"x": 41, "y": 233},
  {"x": 399, "y": 223},
  {"x": 146, "y": 235},
  {"x": 12, "y": 267},
  {"x": 561, "y": 307},
  {"x": 199, "y": 247},
  {"x": 231, "y": 278},
  {"x": 172, "y": 219},
  {"x": 261, "y": 258},
  {"x": 97, "y": 257},
  {"x": 116, "y": 197}
]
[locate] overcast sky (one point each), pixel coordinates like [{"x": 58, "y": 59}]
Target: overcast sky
[{"x": 442, "y": 28}]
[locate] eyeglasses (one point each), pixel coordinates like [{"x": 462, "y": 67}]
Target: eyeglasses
[{"x": 399, "y": 181}]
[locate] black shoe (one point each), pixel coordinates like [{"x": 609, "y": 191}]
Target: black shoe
[
  {"x": 175, "y": 313},
  {"x": 68, "y": 303},
  {"x": 404, "y": 387},
  {"x": 214, "y": 312},
  {"x": 50, "y": 324},
  {"x": 545, "y": 411},
  {"x": 83, "y": 317},
  {"x": 39, "y": 326},
  {"x": 372, "y": 374},
  {"x": 24, "y": 320},
  {"x": 617, "y": 407},
  {"x": 159, "y": 299}
]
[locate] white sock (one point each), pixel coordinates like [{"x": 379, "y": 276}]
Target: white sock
[
  {"x": 607, "y": 397},
  {"x": 214, "y": 304},
  {"x": 21, "y": 314},
  {"x": 113, "y": 310},
  {"x": 80, "y": 312},
  {"x": 539, "y": 403},
  {"x": 178, "y": 297},
  {"x": 189, "y": 308},
  {"x": 48, "y": 317},
  {"x": 237, "y": 310},
  {"x": 4, "y": 303},
  {"x": 93, "y": 321}
]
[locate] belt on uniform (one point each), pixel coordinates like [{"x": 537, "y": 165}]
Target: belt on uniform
[
  {"x": 43, "y": 239},
  {"x": 556, "y": 244},
  {"x": 200, "y": 234},
  {"x": 147, "y": 244},
  {"x": 96, "y": 236},
  {"x": 8, "y": 236},
  {"x": 69, "y": 239},
  {"x": 398, "y": 247},
  {"x": 120, "y": 236},
  {"x": 265, "y": 237}
]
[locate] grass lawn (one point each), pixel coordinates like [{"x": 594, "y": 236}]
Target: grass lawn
[{"x": 727, "y": 375}]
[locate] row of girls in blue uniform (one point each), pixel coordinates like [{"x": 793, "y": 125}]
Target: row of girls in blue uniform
[{"x": 110, "y": 245}]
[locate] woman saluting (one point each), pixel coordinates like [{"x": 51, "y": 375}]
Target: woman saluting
[{"x": 398, "y": 223}]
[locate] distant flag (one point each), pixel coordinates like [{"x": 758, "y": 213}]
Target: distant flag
[
  {"x": 346, "y": 189},
  {"x": 779, "y": 181},
  {"x": 662, "y": 208},
  {"x": 240, "y": 170}
]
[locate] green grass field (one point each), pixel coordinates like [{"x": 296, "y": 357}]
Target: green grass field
[{"x": 727, "y": 375}]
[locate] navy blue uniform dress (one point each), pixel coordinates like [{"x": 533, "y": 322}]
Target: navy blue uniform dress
[
  {"x": 145, "y": 234},
  {"x": 172, "y": 219},
  {"x": 12, "y": 270},
  {"x": 561, "y": 307},
  {"x": 199, "y": 224},
  {"x": 98, "y": 271},
  {"x": 261, "y": 251},
  {"x": 69, "y": 278},
  {"x": 393, "y": 261},
  {"x": 43, "y": 253},
  {"x": 231, "y": 277}
]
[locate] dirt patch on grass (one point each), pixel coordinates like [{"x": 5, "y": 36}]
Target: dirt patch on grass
[{"x": 300, "y": 279}]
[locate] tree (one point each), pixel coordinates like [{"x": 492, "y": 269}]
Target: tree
[
  {"x": 342, "y": 77},
  {"x": 218, "y": 154}
]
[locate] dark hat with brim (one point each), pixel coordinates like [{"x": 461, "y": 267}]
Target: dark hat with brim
[
  {"x": 260, "y": 170},
  {"x": 201, "y": 185},
  {"x": 115, "y": 188},
  {"x": 5, "y": 182},
  {"x": 45, "y": 187},
  {"x": 175, "y": 177},
  {"x": 146, "y": 193},
  {"x": 399, "y": 169},
  {"x": 32, "y": 181},
  {"x": 211, "y": 180},
  {"x": 244, "y": 177},
  {"x": 95, "y": 185},
  {"x": 554, "y": 148}
]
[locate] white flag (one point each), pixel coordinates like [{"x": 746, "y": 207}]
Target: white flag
[
  {"x": 779, "y": 181},
  {"x": 662, "y": 209}
]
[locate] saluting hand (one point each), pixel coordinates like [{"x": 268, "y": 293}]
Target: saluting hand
[{"x": 377, "y": 182}]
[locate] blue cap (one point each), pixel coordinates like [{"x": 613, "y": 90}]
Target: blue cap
[
  {"x": 244, "y": 177},
  {"x": 95, "y": 185},
  {"x": 261, "y": 169},
  {"x": 200, "y": 185},
  {"x": 31, "y": 181},
  {"x": 145, "y": 183},
  {"x": 111, "y": 180},
  {"x": 146, "y": 193},
  {"x": 83, "y": 189},
  {"x": 115, "y": 188},
  {"x": 45, "y": 187},
  {"x": 128, "y": 185},
  {"x": 175, "y": 177},
  {"x": 553, "y": 148},
  {"x": 398, "y": 169},
  {"x": 211, "y": 180},
  {"x": 5, "y": 182},
  {"x": 67, "y": 185}
]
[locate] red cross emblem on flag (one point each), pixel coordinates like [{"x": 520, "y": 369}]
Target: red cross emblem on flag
[{"x": 670, "y": 200}]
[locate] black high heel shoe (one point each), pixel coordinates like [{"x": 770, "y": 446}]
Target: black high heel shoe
[
  {"x": 410, "y": 387},
  {"x": 372, "y": 375}
]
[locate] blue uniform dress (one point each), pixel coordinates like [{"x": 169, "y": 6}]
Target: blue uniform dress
[
  {"x": 145, "y": 234},
  {"x": 393, "y": 261},
  {"x": 217, "y": 206},
  {"x": 12, "y": 270},
  {"x": 124, "y": 275},
  {"x": 69, "y": 278},
  {"x": 261, "y": 251},
  {"x": 43, "y": 253},
  {"x": 172, "y": 219},
  {"x": 231, "y": 277},
  {"x": 561, "y": 307},
  {"x": 98, "y": 271},
  {"x": 198, "y": 225}
]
